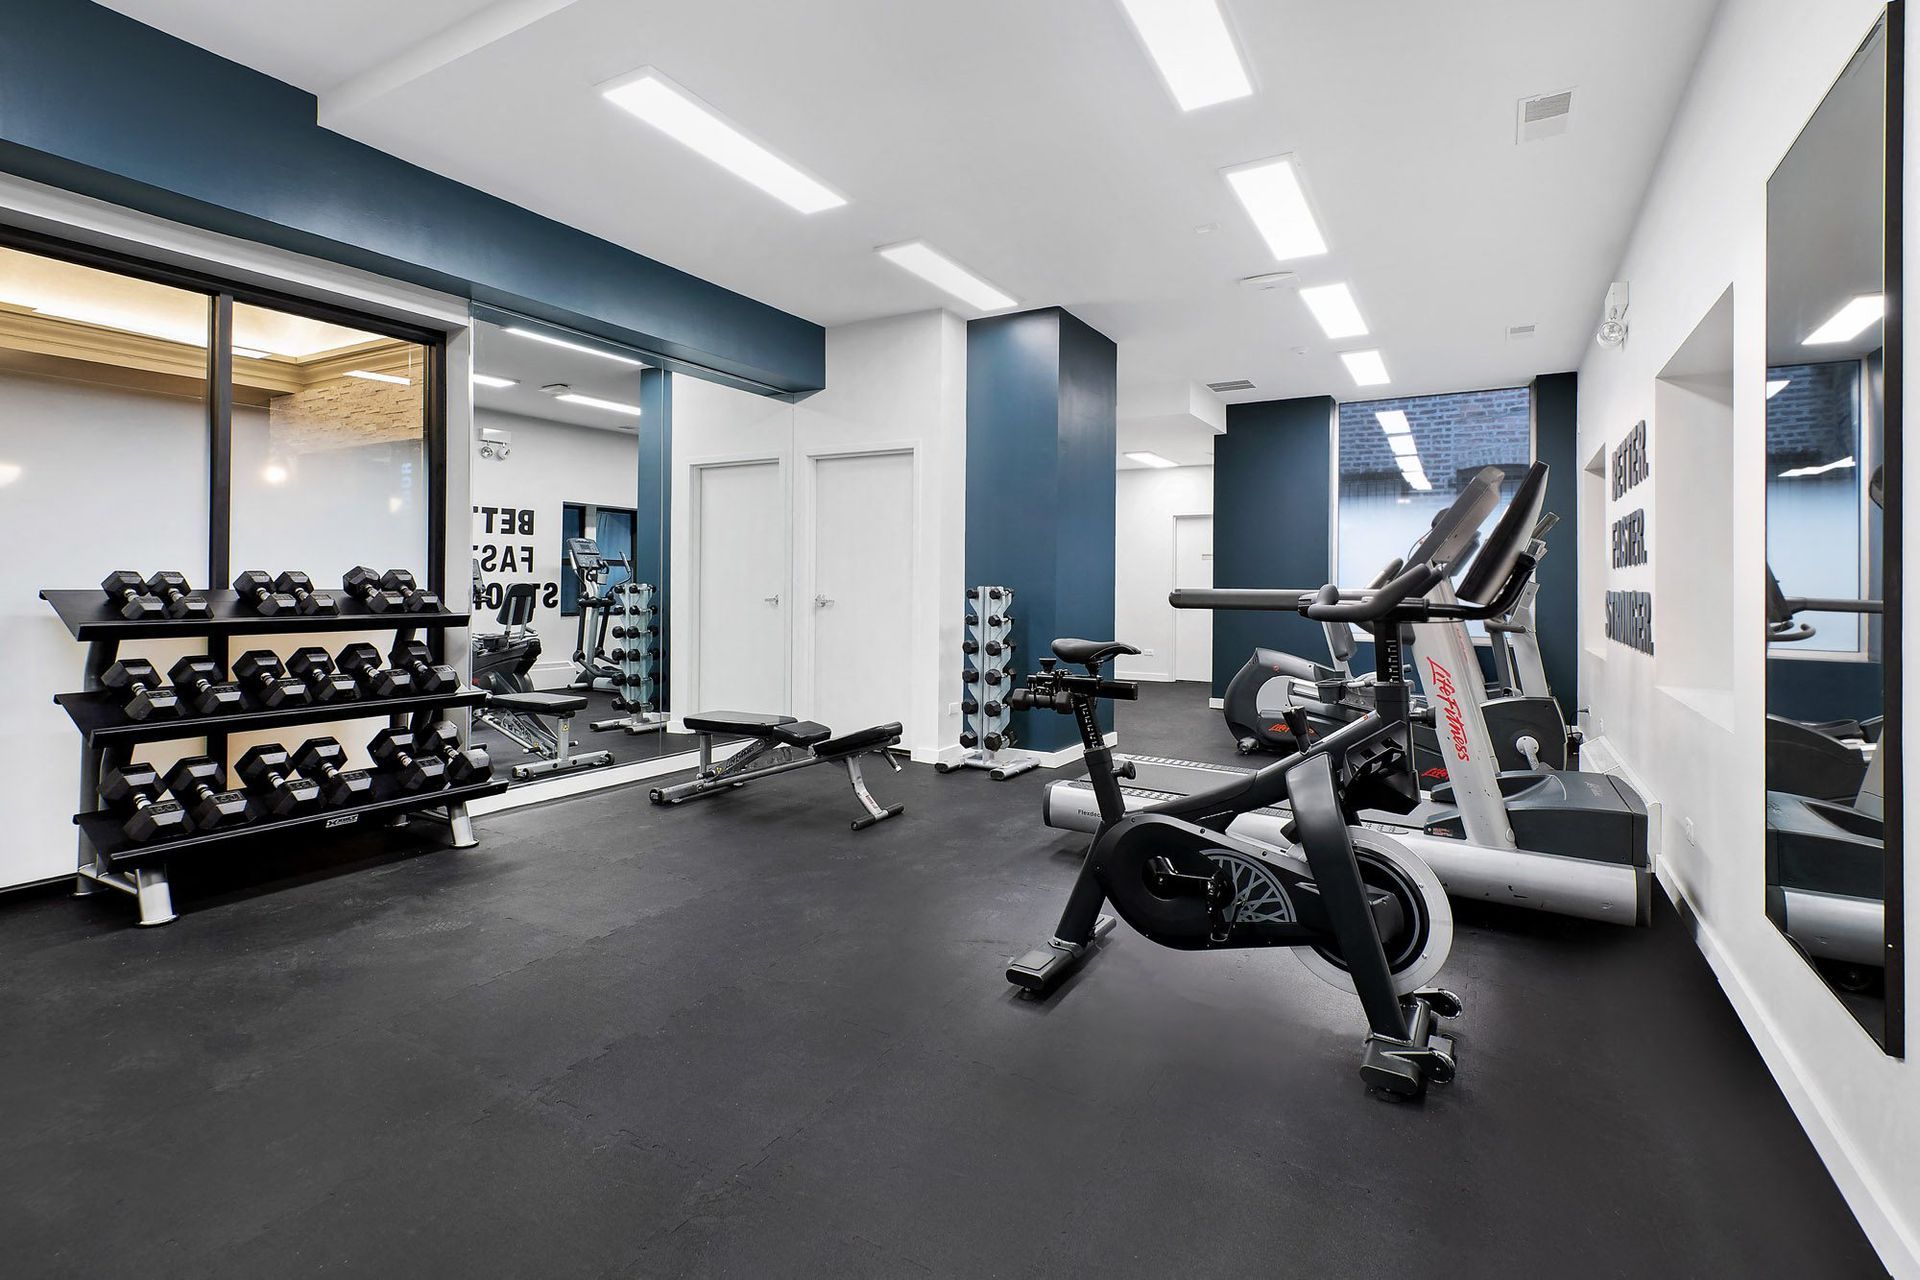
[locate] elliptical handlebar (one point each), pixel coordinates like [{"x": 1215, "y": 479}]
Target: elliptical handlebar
[{"x": 1330, "y": 606}]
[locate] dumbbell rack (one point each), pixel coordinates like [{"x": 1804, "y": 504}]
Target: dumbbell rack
[
  {"x": 987, "y": 680},
  {"x": 630, "y": 607},
  {"x": 107, "y": 857}
]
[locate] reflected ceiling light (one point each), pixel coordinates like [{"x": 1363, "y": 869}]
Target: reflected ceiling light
[
  {"x": 1190, "y": 43},
  {"x": 1393, "y": 422},
  {"x": 1850, "y": 321},
  {"x": 537, "y": 336},
  {"x": 1366, "y": 368},
  {"x": 1154, "y": 460},
  {"x": 945, "y": 274},
  {"x": 370, "y": 376},
  {"x": 1402, "y": 446},
  {"x": 1417, "y": 480},
  {"x": 1776, "y": 385},
  {"x": 684, "y": 118},
  {"x": 394, "y": 505},
  {"x": 274, "y": 473},
  {"x": 1274, "y": 199},
  {"x": 488, "y": 380},
  {"x": 593, "y": 402},
  {"x": 251, "y": 353},
  {"x": 1840, "y": 464},
  {"x": 9, "y": 472},
  {"x": 1333, "y": 306}
]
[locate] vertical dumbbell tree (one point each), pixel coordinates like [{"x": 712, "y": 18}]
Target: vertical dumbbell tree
[
  {"x": 634, "y": 629},
  {"x": 986, "y": 678}
]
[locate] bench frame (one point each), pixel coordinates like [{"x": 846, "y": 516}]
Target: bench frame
[{"x": 767, "y": 756}]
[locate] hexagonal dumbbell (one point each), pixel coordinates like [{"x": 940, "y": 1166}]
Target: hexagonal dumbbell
[
  {"x": 362, "y": 661},
  {"x": 311, "y": 665},
  {"x": 197, "y": 681},
  {"x": 414, "y": 658},
  {"x": 259, "y": 673},
  {"x": 465, "y": 765},
  {"x": 320, "y": 759},
  {"x": 401, "y": 758},
  {"x": 363, "y": 584},
  {"x": 306, "y": 599},
  {"x": 136, "y": 788},
  {"x": 180, "y": 602},
  {"x": 140, "y": 689},
  {"x": 269, "y": 774},
  {"x": 196, "y": 782},
  {"x": 257, "y": 593},
  {"x": 127, "y": 591},
  {"x": 400, "y": 581}
]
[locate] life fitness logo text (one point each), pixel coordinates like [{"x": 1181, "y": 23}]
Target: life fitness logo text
[{"x": 1443, "y": 690}]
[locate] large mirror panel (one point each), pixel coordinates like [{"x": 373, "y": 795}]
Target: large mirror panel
[{"x": 1832, "y": 540}]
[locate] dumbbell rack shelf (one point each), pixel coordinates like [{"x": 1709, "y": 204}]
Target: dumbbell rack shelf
[
  {"x": 106, "y": 857},
  {"x": 102, "y": 828}
]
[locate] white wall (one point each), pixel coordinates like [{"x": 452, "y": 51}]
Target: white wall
[
  {"x": 549, "y": 465},
  {"x": 1765, "y": 68},
  {"x": 892, "y": 384},
  {"x": 1145, "y": 504}
]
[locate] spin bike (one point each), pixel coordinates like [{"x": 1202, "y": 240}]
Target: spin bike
[{"x": 1360, "y": 911}]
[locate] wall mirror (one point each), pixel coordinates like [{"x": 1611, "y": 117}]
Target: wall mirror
[
  {"x": 1833, "y": 744},
  {"x": 570, "y": 548}
]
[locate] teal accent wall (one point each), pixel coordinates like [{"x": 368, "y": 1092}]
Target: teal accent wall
[{"x": 1041, "y": 422}]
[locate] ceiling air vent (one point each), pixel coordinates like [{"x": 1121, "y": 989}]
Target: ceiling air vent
[
  {"x": 1521, "y": 332},
  {"x": 1238, "y": 384},
  {"x": 1545, "y": 116}
]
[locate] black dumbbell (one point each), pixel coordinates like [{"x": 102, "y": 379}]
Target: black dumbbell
[
  {"x": 413, "y": 657},
  {"x": 137, "y": 787},
  {"x": 969, "y": 706},
  {"x": 257, "y": 593},
  {"x": 266, "y": 681},
  {"x": 197, "y": 681},
  {"x": 465, "y": 765},
  {"x": 969, "y": 646},
  {"x": 995, "y": 741},
  {"x": 362, "y": 661},
  {"x": 400, "y": 581},
  {"x": 969, "y": 676},
  {"x": 172, "y": 589},
  {"x": 395, "y": 751},
  {"x": 363, "y": 584},
  {"x": 306, "y": 599},
  {"x": 269, "y": 774},
  {"x": 127, "y": 589},
  {"x": 140, "y": 690},
  {"x": 311, "y": 666},
  {"x": 995, "y": 676},
  {"x": 195, "y": 781},
  {"x": 997, "y": 647},
  {"x": 320, "y": 759},
  {"x": 968, "y": 740}
]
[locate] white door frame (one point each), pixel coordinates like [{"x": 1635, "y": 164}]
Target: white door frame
[
  {"x": 687, "y": 595},
  {"x": 805, "y": 587},
  {"x": 1173, "y": 580}
]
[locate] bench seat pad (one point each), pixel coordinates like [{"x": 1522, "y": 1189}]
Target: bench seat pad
[
  {"x": 847, "y": 744},
  {"x": 753, "y": 724},
  {"x": 540, "y": 704}
]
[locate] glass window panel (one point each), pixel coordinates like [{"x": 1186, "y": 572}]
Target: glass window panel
[
  {"x": 103, "y": 466},
  {"x": 1815, "y": 492},
  {"x": 329, "y": 447}
]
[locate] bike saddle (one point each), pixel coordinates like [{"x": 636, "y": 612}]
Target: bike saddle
[{"x": 1091, "y": 653}]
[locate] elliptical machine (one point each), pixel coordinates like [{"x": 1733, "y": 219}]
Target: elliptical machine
[
  {"x": 592, "y": 569},
  {"x": 1357, "y": 909}
]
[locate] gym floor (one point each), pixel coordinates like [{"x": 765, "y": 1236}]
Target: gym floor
[{"x": 735, "y": 1038}]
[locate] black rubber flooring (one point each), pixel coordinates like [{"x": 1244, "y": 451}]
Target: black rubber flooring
[{"x": 737, "y": 1039}]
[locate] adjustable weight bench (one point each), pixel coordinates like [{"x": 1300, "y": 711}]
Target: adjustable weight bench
[
  {"x": 781, "y": 744},
  {"x": 562, "y": 707}
]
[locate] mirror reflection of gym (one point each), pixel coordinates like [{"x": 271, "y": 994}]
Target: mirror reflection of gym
[
  {"x": 568, "y": 552},
  {"x": 1832, "y": 740}
]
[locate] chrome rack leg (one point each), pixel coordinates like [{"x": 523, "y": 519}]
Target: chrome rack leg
[
  {"x": 155, "y": 898},
  {"x": 460, "y": 822}
]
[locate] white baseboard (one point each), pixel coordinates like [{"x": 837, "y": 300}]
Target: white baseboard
[
  {"x": 1872, "y": 1205},
  {"x": 1150, "y": 677},
  {"x": 1068, "y": 755},
  {"x": 1218, "y": 704}
]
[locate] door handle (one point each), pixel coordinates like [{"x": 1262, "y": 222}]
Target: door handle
[
  {"x": 773, "y": 600},
  {"x": 821, "y": 602}
]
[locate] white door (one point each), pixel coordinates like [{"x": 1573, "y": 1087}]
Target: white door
[
  {"x": 1192, "y": 567},
  {"x": 862, "y": 581},
  {"x": 742, "y": 560}
]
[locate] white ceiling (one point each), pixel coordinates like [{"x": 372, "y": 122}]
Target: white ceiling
[{"x": 1035, "y": 143}]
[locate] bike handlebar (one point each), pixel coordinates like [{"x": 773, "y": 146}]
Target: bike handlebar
[{"x": 1329, "y": 606}]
